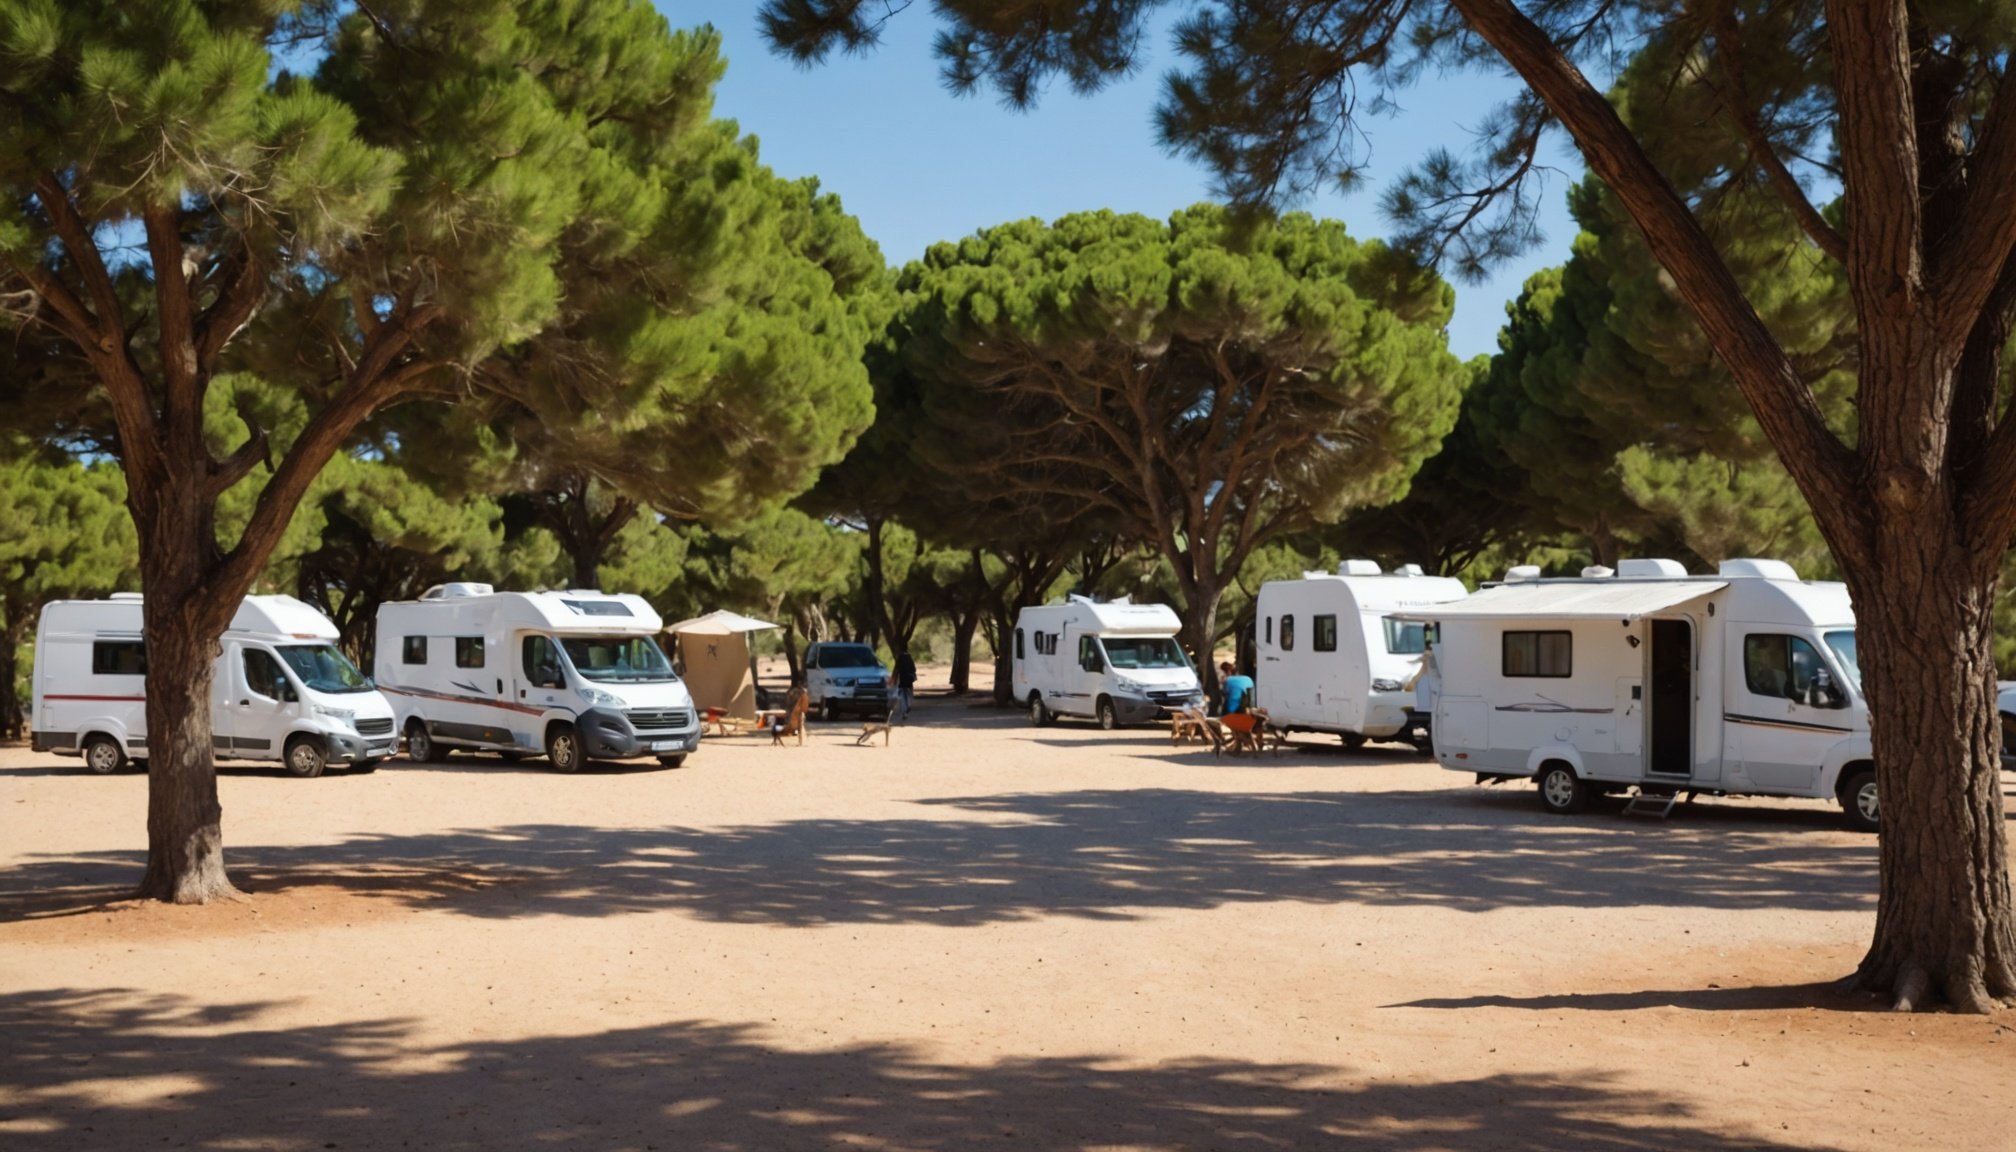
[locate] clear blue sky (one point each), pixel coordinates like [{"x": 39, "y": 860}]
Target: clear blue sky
[{"x": 917, "y": 164}]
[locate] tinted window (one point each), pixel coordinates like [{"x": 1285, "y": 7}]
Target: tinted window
[
  {"x": 631, "y": 658},
  {"x": 1287, "y": 633},
  {"x": 599, "y": 607},
  {"x": 1548, "y": 654},
  {"x": 118, "y": 658},
  {"x": 264, "y": 677},
  {"x": 1088, "y": 655},
  {"x": 1406, "y": 637},
  {"x": 1784, "y": 667},
  {"x": 324, "y": 668},
  {"x": 468, "y": 652},
  {"x": 1325, "y": 633},
  {"x": 542, "y": 663},
  {"x": 848, "y": 656},
  {"x": 413, "y": 650},
  {"x": 1270, "y": 629},
  {"x": 1019, "y": 654},
  {"x": 1144, "y": 652}
]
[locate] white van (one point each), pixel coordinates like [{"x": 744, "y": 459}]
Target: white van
[
  {"x": 280, "y": 690},
  {"x": 841, "y": 676},
  {"x": 1116, "y": 662},
  {"x": 577, "y": 675},
  {"x": 1742, "y": 683},
  {"x": 1333, "y": 657}
]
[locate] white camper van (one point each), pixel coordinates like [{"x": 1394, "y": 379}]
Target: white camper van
[
  {"x": 1116, "y": 662},
  {"x": 1333, "y": 657},
  {"x": 1744, "y": 682},
  {"x": 578, "y": 675},
  {"x": 281, "y": 690}
]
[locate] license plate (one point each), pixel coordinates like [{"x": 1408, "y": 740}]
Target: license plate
[{"x": 666, "y": 745}]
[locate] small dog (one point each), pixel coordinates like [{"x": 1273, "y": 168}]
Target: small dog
[{"x": 870, "y": 728}]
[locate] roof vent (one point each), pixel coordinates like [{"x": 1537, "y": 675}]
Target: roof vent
[
  {"x": 456, "y": 591},
  {"x": 1407, "y": 570},
  {"x": 1597, "y": 572},
  {"x": 127, "y": 596},
  {"x": 1358, "y": 568},
  {"x": 1650, "y": 569},
  {"x": 1757, "y": 569},
  {"x": 1521, "y": 573}
]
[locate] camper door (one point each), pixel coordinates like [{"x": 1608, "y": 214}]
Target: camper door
[
  {"x": 1786, "y": 707},
  {"x": 262, "y": 705}
]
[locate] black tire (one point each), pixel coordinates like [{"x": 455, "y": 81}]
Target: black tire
[
  {"x": 832, "y": 711},
  {"x": 1352, "y": 741},
  {"x": 1423, "y": 741},
  {"x": 672, "y": 761},
  {"x": 1561, "y": 791},
  {"x": 305, "y": 758},
  {"x": 563, "y": 748},
  {"x": 1857, "y": 794},
  {"x": 1039, "y": 716},
  {"x": 103, "y": 756},
  {"x": 1109, "y": 716},
  {"x": 419, "y": 745},
  {"x": 365, "y": 767}
]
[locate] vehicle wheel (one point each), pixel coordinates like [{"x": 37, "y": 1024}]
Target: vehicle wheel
[
  {"x": 1561, "y": 791},
  {"x": 1039, "y": 716},
  {"x": 419, "y": 745},
  {"x": 1109, "y": 716},
  {"x": 103, "y": 755},
  {"x": 364, "y": 767},
  {"x": 1857, "y": 794},
  {"x": 672, "y": 761},
  {"x": 510, "y": 757},
  {"x": 563, "y": 748},
  {"x": 832, "y": 710},
  {"x": 304, "y": 758},
  {"x": 1351, "y": 740}
]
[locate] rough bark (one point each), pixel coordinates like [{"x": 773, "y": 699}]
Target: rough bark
[
  {"x": 964, "y": 624},
  {"x": 10, "y": 646}
]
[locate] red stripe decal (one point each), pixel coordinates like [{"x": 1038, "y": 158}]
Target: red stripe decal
[{"x": 478, "y": 701}]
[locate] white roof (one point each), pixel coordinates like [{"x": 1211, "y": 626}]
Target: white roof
[
  {"x": 1606, "y": 599},
  {"x": 1119, "y": 615},
  {"x": 282, "y": 616},
  {"x": 720, "y": 623}
]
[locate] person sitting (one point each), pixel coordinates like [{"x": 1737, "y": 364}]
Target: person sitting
[{"x": 1237, "y": 688}]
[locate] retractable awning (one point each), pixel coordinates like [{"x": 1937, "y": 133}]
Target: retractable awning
[
  {"x": 1570, "y": 600},
  {"x": 722, "y": 623}
]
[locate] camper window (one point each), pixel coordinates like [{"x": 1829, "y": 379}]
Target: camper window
[
  {"x": 413, "y": 650},
  {"x": 1544, "y": 654},
  {"x": 1406, "y": 637},
  {"x": 1144, "y": 652},
  {"x": 631, "y": 659},
  {"x": 118, "y": 658},
  {"x": 1843, "y": 644},
  {"x": 542, "y": 663},
  {"x": 1789, "y": 668},
  {"x": 1325, "y": 633},
  {"x": 468, "y": 652},
  {"x": 1287, "y": 633},
  {"x": 264, "y": 677},
  {"x": 1019, "y": 653},
  {"x": 1088, "y": 655},
  {"x": 1270, "y": 629},
  {"x": 324, "y": 668}
]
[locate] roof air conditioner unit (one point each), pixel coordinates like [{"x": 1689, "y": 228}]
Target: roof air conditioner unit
[{"x": 1358, "y": 568}]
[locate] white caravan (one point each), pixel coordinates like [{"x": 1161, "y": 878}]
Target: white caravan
[
  {"x": 1116, "y": 662},
  {"x": 1333, "y": 657},
  {"x": 1744, "y": 682},
  {"x": 577, "y": 675},
  {"x": 280, "y": 690}
]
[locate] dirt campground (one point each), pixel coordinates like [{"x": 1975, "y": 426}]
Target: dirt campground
[{"x": 981, "y": 935}]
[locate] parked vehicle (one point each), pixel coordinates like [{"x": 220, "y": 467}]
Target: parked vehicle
[
  {"x": 1744, "y": 682},
  {"x": 280, "y": 689},
  {"x": 1116, "y": 662},
  {"x": 1334, "y": 658},
  {"x": 577, "y": 675},
  {"x": 842, "y": 676}
]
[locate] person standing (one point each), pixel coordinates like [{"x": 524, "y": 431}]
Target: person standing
[{"x": 906, "y": 678}]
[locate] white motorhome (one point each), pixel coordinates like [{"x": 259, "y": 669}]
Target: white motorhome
[
  {"x": 280, "y": 690},
  {"x": 1334, "y": 657},
  {"x": 577, "y": 675},
  {"x": 1115, "y": 662},
  {"x": 1741, "y": 683}
]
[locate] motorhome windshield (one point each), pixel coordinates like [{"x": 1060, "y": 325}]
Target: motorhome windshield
[
  {"x": 630, "y": 659},
  {"x": 1143, "y": 652},
  {"x": 1406, "y": 637},
  {"x": 1843, "y": 644},
  {"x": 837, "y": 656},
  {"x": 321, "y": 668}
]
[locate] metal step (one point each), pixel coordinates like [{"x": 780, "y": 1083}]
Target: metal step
[{"x": 1654, "y": 804}]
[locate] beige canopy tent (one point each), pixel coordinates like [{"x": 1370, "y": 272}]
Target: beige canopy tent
[{"x": 719, "y": 671}]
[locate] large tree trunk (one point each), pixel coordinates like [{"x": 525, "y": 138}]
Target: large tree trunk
[
  {"x": 964, "y": 624},
  {"x": 182, "y": 620},
  {"x": 1200, "y": 630},
  {"x": 10, "y": 646},
  {"x": 1943, "y": 923}
]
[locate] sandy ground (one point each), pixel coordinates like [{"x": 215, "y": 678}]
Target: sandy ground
[{"x": 983, "y": 935}]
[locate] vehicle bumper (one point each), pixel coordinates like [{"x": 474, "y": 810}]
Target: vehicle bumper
[
  {"x": 607, "y": 734},
  {"x": 1141, "y": 709},
  {"x": 349, "y": 747},
  {"x": 870, "y": 702}
]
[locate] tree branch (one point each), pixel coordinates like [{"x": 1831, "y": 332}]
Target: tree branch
[
  {"x": 1975, "y": 253},
  {"x": 176, "y": 324},
  {"x": 1729, "y": 53},
  {"x": 240, "y": 286}
]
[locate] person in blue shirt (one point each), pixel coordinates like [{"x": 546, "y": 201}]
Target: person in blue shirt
[{"x": 1238, "y": 689}]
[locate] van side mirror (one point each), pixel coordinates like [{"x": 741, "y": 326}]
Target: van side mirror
[
  {"x": 1092, "y": 663},
  {"x": 1825, "y": 694}
]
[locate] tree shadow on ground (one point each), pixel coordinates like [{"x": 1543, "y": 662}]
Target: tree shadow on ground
[
  {"x": 1711, "y": 999},
  {"x": 117, "y": 1070},
  {"x": 1096, "y": 854}
]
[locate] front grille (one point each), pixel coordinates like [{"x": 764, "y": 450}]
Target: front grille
[
  {"x": 1171, "y": 697},
  {"x": 380, "y": 726},
  {"x": 653, "y": 719}
]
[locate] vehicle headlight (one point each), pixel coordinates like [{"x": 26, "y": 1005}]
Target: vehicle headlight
[
  {"x": 843, "y": 681},
  {"x": 1134, "y": 686},
  {"x": 1387, "y": 685},
  {"x": 600, "y": 699},
  {"x": 342, "y": 715}
]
